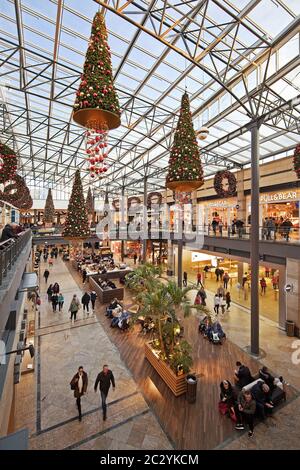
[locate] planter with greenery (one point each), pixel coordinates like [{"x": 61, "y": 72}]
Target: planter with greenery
[{"x": 163, "y": 302}]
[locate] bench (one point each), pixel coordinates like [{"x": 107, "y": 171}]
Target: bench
[{"x": 277, "y": 396}]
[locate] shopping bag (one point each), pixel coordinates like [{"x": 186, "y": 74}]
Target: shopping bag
[{"x": 223, "y": 408}]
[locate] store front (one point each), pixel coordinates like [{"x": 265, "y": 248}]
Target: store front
[
  {"x": 281, "y": 206},
  {"x": 224, "y": 210}
]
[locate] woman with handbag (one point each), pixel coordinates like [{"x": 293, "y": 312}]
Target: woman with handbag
[
  {"x": 226, "y": 403},
  {"x": 79, "y": 384}
]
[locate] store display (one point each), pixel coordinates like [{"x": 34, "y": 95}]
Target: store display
[
  {"x": 297, "y": 161},
  {"x": 49, "y": 210},
  {"x": 225, "y": 183},
  {"x": 185, "y": 171},
  {"x": 8, "y": 163},
  {"x": 76, "y": 225}
]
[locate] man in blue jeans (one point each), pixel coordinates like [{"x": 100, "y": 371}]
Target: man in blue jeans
[{"x": 104, "y": 379}]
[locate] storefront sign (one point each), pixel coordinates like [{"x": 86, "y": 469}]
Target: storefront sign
[
  {"x": 220, "y": 204},
  {"x": 278, "y": 197}
]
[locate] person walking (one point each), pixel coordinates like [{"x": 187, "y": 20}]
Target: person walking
[
  {"x": 222, "y": 304},
  {"x": 228, "y": 300},
  {"x": 134, "y": 258},
  {"x": 79, "y": 384},
  {"x": 74, "y": 307},
  {"x": 203, "y": 295},
  {"x": 185, "y": 278},
  {"x": 54, "y": 300},
  {"x": 46, "y": 275},
  {"x": 84, "y": 275},
  {"x": 50, "y": 292},
  {"x": 216, "y": 303},
  {"x": 104, "y": 379},
  {"x": 263, "y": 286},
  {"x": 217, "y": 273},
  {"x": 93, "y": 296},
  {"x": 85, "y": 300},
  {"x": 226, "y": 280},
  {"x": 56, "y": 288},
  {"x": 199, "y": 279},
  {"x": 61, "y": 300}
]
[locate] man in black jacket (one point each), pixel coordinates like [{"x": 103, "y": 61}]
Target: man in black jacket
[
  {"x": 243, "y": 375},
  {"x": 104, "y": 379}
]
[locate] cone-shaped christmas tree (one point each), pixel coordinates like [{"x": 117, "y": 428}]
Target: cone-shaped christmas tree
[
  {"x": 49, "y": 210},
  {"x": 8, "y": 163},
  {"x": 76, "y": 225},
  {"x": 185, "y": 171},
  {"x": 89, "y": 202},
  {"x": 297, "y": 160},
  {"x": 96, "y": 100}
]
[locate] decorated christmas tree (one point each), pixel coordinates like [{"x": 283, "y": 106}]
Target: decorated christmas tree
[
  {"x": 89, "y": 202},
  {"x": 96, "y": 90},
  {"x": 76, "y": 225},
  {"x": 49, "y": 209},
  {"x": 185, "y": 171}
]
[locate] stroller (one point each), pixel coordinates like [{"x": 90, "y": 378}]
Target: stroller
[{"x": 216, "y": 334}]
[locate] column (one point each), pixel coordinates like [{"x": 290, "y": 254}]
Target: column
[
  {"x": 254, "y": 240},
  {"x": 145, "y": 224},
  {"x": 122, "y": 221},
  {"x": 34, "y": 216},
  {"x": 241, "y": 199},
  {"x": 179, "y": 262},
  {"x": 282, "y": 297},
  {"x": 293, "y": 297},
  {"x": 171, "y": 267}
]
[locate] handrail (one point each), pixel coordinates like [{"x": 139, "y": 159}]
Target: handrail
[{"x": 10, "y": 251}]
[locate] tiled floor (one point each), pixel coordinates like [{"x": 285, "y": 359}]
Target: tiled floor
[{"x": 47, "y": 405}]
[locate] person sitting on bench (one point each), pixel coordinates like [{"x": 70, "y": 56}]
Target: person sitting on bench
[
  {"x": 261, "y": 394},
  {"x": 245, "y": 411},
  {"x": 242, "y": 375},
  {"x": 268, "y": 378}
]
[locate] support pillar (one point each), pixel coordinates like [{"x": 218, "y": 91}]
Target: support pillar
[
  {"x": 179, "y": 262},
  {"x": 282, "y": 297},
  {"x": 35, "y": 216},
  {"x": 254, "y": 239},
  {"x": 145, "y": 224},
  {"x": 170, "y": 268},
  {"x": 241, "y": 199}
]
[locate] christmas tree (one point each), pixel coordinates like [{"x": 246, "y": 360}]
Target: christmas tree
[
  {"x": 49, "y": 209},
  {"x": 89, "y": 202},
  {"x": 185, "y": 171},
  {"x": 8, "y": 163},
  {"x": 96, "y": 89},
  {"x": 76, "y": 225},
  {"x": 296, "y": 160}
]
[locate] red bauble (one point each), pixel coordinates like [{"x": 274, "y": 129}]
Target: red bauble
[
  {"x": 104, "y": 168},
  {"x": 92, "y": 161}
]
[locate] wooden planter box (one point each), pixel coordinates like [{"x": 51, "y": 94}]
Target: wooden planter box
[
  {"x": 176, "y": 383},
  {"x": 106, "y": 296}
]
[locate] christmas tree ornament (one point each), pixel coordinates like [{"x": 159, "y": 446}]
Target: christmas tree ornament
[
  {"x": 182, "y": 177},
  {"x": 76, "y": 225},
  {"x": 203, "y": 133}
]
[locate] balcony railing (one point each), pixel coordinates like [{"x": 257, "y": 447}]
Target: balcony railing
[{"x": 10, "y": 251}]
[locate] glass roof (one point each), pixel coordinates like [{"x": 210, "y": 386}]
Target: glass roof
[{"x": 238, "y": 60}]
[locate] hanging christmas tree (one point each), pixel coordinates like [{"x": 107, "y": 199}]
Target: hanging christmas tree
[
  {"x": 49, "y": 210},
  {"x": 96, "y": 98},
  {"x": 76, "y": 225},
  {"x": 185, "y": 173},
  {"x": 8, "y": 163},
  {"x": 296, "y": 160}
]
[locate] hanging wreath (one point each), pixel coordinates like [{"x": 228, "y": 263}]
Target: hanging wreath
[
  {"x": 225, "y": 183},
  {"x": 154, "y": 198},
  {"x": 17, "y": 193},
  {"x": 8, "y": 163},
  {"x": 133, "y": 202},
  {"x": 116, "y": 204},
  {"x": 297, "y": 161}
]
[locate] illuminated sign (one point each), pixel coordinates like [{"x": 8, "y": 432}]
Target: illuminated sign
[{"x": 278, "y": 197}]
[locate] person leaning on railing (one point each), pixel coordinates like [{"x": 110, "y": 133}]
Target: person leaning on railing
[{"x": 8, "y": 232}]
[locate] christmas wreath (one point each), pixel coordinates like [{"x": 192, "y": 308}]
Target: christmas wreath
[
  {"x": 225, "y": 183},
  {"x": 17, "y": 193},
  {"x": 154, "y": 198},
  {"x": 133, "y": 202},
  {"x": 116, "y": 204},
  {"x": 8, "y": 163},
  {"x": 297, "y": 160}
]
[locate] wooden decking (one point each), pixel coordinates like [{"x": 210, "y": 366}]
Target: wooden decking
[{"x": 188, "y": 426}]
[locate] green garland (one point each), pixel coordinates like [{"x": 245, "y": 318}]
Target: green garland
[{"x": 297, "y": 161}]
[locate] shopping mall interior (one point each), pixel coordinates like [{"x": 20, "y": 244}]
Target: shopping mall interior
[{"x": 150, "y": 225}]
